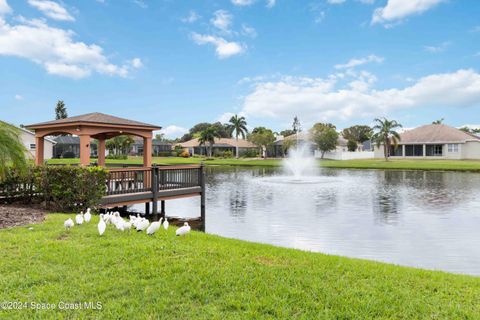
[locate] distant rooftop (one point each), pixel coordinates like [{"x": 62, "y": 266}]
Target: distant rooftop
[{"x": 436, "y": 133}]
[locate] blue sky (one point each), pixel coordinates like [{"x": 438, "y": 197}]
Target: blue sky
[{"x": 177, "y": 63}]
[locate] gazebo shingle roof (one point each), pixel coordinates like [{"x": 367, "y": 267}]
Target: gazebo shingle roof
[{"x": 96, "y": 118}]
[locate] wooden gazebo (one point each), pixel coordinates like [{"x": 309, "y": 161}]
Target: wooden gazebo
[{"x": 97, "y": 126}]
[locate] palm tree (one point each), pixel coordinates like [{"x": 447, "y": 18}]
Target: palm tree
[
  {"x": 386, "y": 134},
  {"x": 12, "y": 151},
  {"x": 208, "y": 136},
  {"x": 239, "y": 125}
]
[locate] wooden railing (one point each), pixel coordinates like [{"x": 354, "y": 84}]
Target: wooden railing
[{"x": 153, "y": 179}]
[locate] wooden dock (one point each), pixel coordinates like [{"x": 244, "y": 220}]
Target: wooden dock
[{"x": 127, "y": 186}]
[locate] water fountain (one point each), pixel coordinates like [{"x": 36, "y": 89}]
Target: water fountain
[{"x": 300, "y": 162}]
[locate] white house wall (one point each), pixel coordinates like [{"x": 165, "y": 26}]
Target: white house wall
[
  {"x": 28, "y": 141},
  {"x": 471, "y": 150}
]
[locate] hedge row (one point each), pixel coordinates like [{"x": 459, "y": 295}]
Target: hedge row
[{"x": 62, "y": 188}]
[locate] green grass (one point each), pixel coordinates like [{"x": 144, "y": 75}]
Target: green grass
[
  {"x": 400, "y": 164},
  {"x": 202, "y": 276}
]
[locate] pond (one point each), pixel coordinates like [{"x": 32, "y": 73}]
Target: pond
[{"x": 422, "y": 219}]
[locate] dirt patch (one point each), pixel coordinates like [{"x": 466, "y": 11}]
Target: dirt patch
[{"x": 17, "y": 215}]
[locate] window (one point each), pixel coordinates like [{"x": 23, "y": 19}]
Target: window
[
  {"x": 33, "y": 146},
  {"x": 453, "y": 147},
  {"x": 414, "y": 150},
  {"x": 396, "y": 151},
  {"x": 434, "y": 150}
]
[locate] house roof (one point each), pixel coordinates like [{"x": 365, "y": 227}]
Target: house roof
[
  {"x": 436, "y": 133},
  {"x": 96, "y": 118},
  {"x": 67, "y": 139},
  {"x": 219, "y": 142}
]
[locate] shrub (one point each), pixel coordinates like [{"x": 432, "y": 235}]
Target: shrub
[
  {"x": 63, "y": 188},
  {"x": 166, "y": 154},
  {"x": 352, "y": 145},
  {"x": 18, "y": 185},
  {"x": 250, "y": 153},
  {"x": 68, "y": 155},
  {"x": 117, "y": 156},
  {"x": 228, "y": 154},
  {"x": 69, "y": 188},
  {"x": 185, "y": 154}
]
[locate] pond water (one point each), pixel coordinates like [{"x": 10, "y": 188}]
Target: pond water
[{"x": 423, "y": 219}]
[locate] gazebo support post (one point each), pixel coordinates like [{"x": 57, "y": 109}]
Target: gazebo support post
[
  {"x": 39, "y": 150},
  {"x": 101, "y": 151},
  {"x": 147, "y": 152},
  {"x": 84, "y": 150}
]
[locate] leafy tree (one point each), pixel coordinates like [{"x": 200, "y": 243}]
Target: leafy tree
[
  {"x": 239, "y": 126},
  {"x": 194, "y": 132},
  {"x": 119, "y": 145},
  {"x": 286, "y": 133},
  {"x": 12, "y": 151},
  {"x": 386, "y": 134},
  {"x": 439, "y": 121},
  {"x": 288, "y": 144},
  {"x": 262, "y": 137},
  {"x": 325, "y": 137},
  {"x": 61, "y": 110},
  {"x": 352, "y": 145},
  {"x": 208, "y": 136},
  {"x": 357, "y": 133},
  {"x": 160, "y": 136}
]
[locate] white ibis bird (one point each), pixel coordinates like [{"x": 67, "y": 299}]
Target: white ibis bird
[
  {"x": 154, "y": 227},
  {"x": 142, "y": 225},
  {"x": 127, "y": 225},
  {"x": 68, "y": 224},
  {"x": 101, "y": 226},
  {"x": 79, "y": 218},
  {"x": 165, "y": 224},
  {"x": 183, "y": 230},
  {"x": 87, "y": 216}
]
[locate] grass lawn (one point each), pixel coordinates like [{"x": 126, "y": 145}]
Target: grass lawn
[
  {"x": 203, "y": 276},
  {"x": 415, "y": 164}
]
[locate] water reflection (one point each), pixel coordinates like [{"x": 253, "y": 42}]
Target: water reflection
[{"x": 423, "y": 219}]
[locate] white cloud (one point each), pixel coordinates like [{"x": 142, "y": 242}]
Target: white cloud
[
  {"x": 248, "y": 31},
  {"x": 222, "y": 20},
  {"x": 141, "y": 4},
  {"x": 18, "y": 97},
  {"x": 243, "y": 2},
  {"x": 4, "y": 8},
  {"x": 436, "y": 49},
  {"x": 52, "y": 10},
  {"x": 359, "y": 61},
  {"x": 271, "y": 3},
  {"x": 223, "y": 48},
  {"x": 324, "y": 99},
  {"x": 224, "y": 118},
  {"x": 396, "y": 10},
  {"x": 191, "y": 18},
  {"x": 173, "y": 131},
  {"x": 136, "y": 63},
  {"x": 55, "y": 50}
]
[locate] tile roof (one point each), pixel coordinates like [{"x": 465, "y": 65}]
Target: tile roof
[{"x": 436, "y": 133}]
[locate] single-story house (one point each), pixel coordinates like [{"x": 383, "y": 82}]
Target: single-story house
[
  {"x": 159, "y": 147},
  {"x": 303, "y": 137},
  {"x": 437, "y": 141},
  {"x": 219, "y": 147},
  {"x": 28, "y": 139},
  {"x": 69, "y": 147}
]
